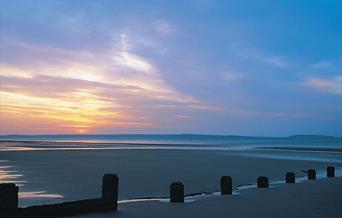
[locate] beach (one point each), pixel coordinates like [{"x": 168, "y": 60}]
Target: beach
[
  {"x": 320, "y": 198},
  {"x": 67, "y": 172}
]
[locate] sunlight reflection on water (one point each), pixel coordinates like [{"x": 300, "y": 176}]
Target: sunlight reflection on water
[{"x": 122, "y": 148}]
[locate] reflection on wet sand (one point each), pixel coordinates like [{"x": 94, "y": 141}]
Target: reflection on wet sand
[
  {"x": 38, "y": 194},
  {"x": 10, "y": 175}
]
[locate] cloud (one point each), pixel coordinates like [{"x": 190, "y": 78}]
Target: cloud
[
  {"x": 85, "y": 91},
  {"x": 162, "y": 27},
  {"x": 123, "y": 56},
  {"x": 133, "y": 62},
  {"x": 326, "y": 85},
  {"x": 122, "y": 43},
  {"x": 261, "y": 56},
  {"x": 232, "y": 75},
  {"x": 274, "y": 60},
  {"x": 183, "y": 117}
]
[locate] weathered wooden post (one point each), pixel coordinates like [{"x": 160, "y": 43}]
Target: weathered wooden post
[
  {"x": 226, "y": 185},
  {"x": 311, "y": 174},
  {"x": 330, "y": 171},
  {"x": 8, "y": 197},
  {"x": 262, "y": 182},
  {"x": 290, "y": 177},
  {"x": 176, "y": 192},
  {"x": 110, "y": 183}
]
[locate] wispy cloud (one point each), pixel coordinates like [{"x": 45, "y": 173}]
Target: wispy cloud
[
  {"x": 162, "y": 27},
  {"x": 82, "y": 92},
  {"x": 261, "y": 56},
  {"x": 183, "y": 117},
  {"x": 133, "y": 62},
  {"x": 232, "y": 75},
  {"x": 331, "y": 85}
]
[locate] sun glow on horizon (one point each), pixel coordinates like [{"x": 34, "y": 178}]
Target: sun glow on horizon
[
  {"x": 81, "y": 92},
  {"x": 80, "y": 111}
]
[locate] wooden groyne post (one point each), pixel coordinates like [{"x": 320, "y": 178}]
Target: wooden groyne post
[
  {"x": 262, "y": 182},
  {"x": 330, "y": 171},
  {"x": 290, "y": 177},
  {"x": 226, "y": 185},
  {"x": 311, "y": 174},
  {"x": 8, "y": 197},
  {"x": 110, "y": 183},
  {"x": 177, "y": 192},
  {"x": 107, "y": 202}
]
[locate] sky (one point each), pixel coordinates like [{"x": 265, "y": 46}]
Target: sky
[{"x": 261, "y": 68}]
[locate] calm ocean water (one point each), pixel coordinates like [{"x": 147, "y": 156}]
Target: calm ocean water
[{"x": 187, "y": 139}]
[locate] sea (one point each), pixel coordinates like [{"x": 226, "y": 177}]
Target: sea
[{"x": 313, "y": 141}]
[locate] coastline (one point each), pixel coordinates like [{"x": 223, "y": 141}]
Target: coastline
[{"x": 17, "y": 145}]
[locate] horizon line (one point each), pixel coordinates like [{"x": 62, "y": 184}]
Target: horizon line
[{"x": 170, "y": 134}]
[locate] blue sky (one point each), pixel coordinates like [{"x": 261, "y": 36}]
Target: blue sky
[{"x": 215, "y": 67}]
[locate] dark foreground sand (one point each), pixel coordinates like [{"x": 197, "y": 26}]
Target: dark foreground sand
[{"x": 321, "y": 198}]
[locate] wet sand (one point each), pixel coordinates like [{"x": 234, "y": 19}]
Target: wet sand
[
  {"x": 321, "y": 198},
  {"x": 57, "y": 175},
  {"x": 76, "y": 174}
]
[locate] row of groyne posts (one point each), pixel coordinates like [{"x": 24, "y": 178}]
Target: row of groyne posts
[
  {"x": 226, "y": 183},
  {"x": 109, "y": 199}
]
